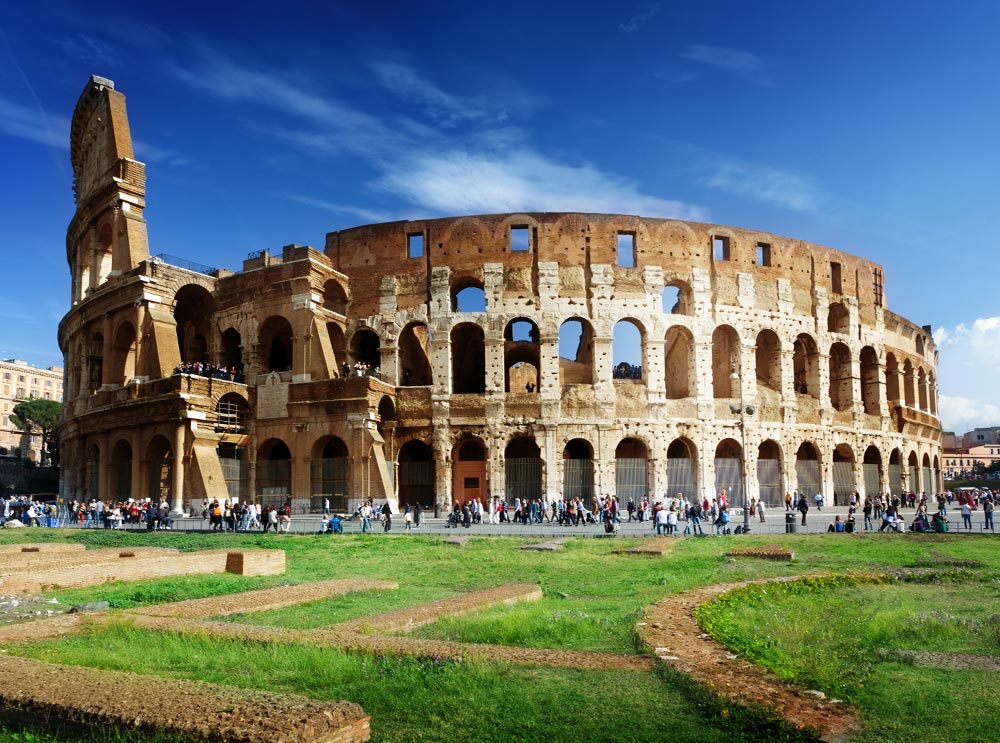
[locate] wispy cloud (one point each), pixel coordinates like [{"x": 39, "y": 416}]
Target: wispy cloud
[
  {"x": 646, "y": 12},
  {"x": 969, "y": 374},
  {"x": 368, "y": 215},
  {"x": 33, "y": 124},
  {"x": 90, "y": 49},
  {"x": 762, "y": 183},
  {"x": 409, "y": 85},
  {"x": 737, "y": 61}
]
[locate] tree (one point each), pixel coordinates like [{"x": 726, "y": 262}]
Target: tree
[{"x": 39, "y": 416}]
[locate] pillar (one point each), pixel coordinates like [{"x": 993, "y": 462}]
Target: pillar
[{"x": 177, "y": 472}]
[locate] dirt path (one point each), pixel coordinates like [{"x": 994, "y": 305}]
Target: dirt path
[{"x": 672, "y": 633}]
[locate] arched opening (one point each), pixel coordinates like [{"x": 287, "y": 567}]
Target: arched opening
[
  {"x": 838, "y": 319},
  {"x": 469, "y": 470},
  {"x": 872, "y": 470},
  {"x": 329, "y": 475},
  {"x": 912, "y": 484},
  {"x": 193, "y": 311},
  {"x": 678, "y": 363},
  {"x": 276, "y": 344},
  {"x": 100, "y": 256},
  {"x": 366, "y": 349},
  {"x": 92, "y": 473},
  {"x": 416, "y": 474},
  {"x": 841, "y": 378},
  {"x": 768, "y": 360},
  {"x": 415, "y": 356},
  {"x": 805, "y": 362},
  {"x": 919, "y": 344},
  {"x": 334, "y": 297},
  {"x": 338, "y": 344},
  {"x": 896, "y": 472},
  {"x": 725, "y": 354},
  {"x": 95, "y": 362},
  {"x": 119, "y": 472},
  {"x": 123, "y": 354},
  {"x": 807, "y": 479},
  {"x": 891, "y": 379},
  {"x": 231, "y": 354},
  {"x": 576, "y": 352},
  {"x": 235, "y": 470},
  {"x": 468, "y": 359},
  {"x": 578, "y": 470},
  {"x": 468, "y": 296},
  {"x": 769, "y": 472},
  {"x": 728, "y": 468},
  {"x": 274, "y": 472},
  {"x": 626, "y": 350},
  {"x": 926, "y": 483},
  {"x": 232, "y": 413},
  {"x": 935, "y": 486},
  {"x": 522, "y": 469},
  {"x": 843, "y": 474},
  {"x": 682, "y": 469},
  {"x": 909, "y": 394},
  {"x": 160, "y": 464},
  {"x": 922, "y": 388},
  {"x": 521, "y": 356},
  {"x": 869, "y": 380},
  {"x": 677, "y": 299},
  {"x": 631, "y": 470},
  {"x": 932, "y": 394}
]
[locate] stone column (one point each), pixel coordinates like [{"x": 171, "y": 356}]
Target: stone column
[
  {"x": 138, "y": 466},
  {"x": 177, "y": 473},
  {"x": 106, "y": 350}
]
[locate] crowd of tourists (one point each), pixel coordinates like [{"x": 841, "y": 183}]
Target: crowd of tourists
[{"x": 198, "y": 369}]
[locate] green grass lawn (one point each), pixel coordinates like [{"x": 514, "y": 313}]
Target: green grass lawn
[{"x": 825, "y": 637}]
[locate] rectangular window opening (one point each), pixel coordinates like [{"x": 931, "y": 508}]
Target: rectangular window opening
[
  {"x": 520, "y": 239},
  {"x": 415, "y": 245},
  {"x": 763, "y": 254},
  {"x": 878, "y": 287},
  {"x": 626, "y": 249},
  {"x": 720, "y": 248},
  {"x": 836, "y": 285}
]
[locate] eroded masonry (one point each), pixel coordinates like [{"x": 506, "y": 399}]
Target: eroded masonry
[{"x": 533, "y": 355}]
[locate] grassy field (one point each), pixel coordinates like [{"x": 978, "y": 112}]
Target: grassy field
[{"x": 828, "y": 635}]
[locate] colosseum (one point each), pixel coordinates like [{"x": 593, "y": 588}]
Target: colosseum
[{"x": 493, "y": 356}]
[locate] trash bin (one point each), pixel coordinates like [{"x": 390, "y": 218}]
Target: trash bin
[{"x": 790, "y": 523}]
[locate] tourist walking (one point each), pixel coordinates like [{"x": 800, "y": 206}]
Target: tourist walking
[{"x": 803, "y": 508}]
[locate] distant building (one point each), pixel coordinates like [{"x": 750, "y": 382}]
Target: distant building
[
  {"x": 981, "y": 436},
  {"x": 950, "y": 440},
  {"x": 960, "y": 463},
  {"x": 22, "y": 381}
]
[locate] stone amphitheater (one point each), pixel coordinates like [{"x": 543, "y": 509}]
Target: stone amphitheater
[{"x": 528, "y": 355}]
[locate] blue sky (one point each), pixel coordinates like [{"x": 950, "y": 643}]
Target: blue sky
[{"x": 869, "y": 127}]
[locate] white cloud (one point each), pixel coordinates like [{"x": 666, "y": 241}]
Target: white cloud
[
  {"x": 742, "y": 63},
  {"x": 646, "y": 12},
  {"x": 762, "y": 183},
  {"x": 370, "y": 216},
  {"x": 409, "y": 85},
  {"x": 33, "y": 124},
  {"x": 969, "y": 374},
  {"x": 86, "y": 48},
  {"x": 470, "y": 182}
]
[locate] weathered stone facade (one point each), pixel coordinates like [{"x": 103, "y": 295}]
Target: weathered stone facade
[{"x": 516, "y": 395}]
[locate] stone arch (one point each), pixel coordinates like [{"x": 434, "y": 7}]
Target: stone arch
[
  {"x": 366, "y": 348},
  {"x": 120, "y": 464},
  {"x": 896, "y": 472},
  {"x": 870, "y": 381},
  {"x": 232, "y": 413},
  {"x": 844, "y": 483},
  {"x": 95, "y": 361},
  {"x": 522, "y": 469},
  {"x": 335, "y": 297},
  {"x": 728, "y": 470},
  {"x": 160, "y": 462},
  {"x": 469, "y": 473},
  {"x": 521, "y": 356},
  {"x": 725, "y": 354},
  {"x": 101, "y": 257},
  {"x": 769, "y": 473},
  {"x": 576, "y": 351},
  {"x": 892, "y": 378},
  {"x": 872, "y": 471},
  {"x": 913, "y": 472},
  {"x": 682, "y": 468},
  {"x": 415, "y": 355},
  {"x": 628, "y": 344},
  {"x": 416, "y": 474},
  {"x": 922, "y": 389},
  {"x": 805, "y": 362},
  {"x": 918, "y": 344},
  {"x": 932, "y": 401},
  {"x": 276, "y": 344},
  {"x": 468, "y": 359},
  {"x": 679, "y": 362},
  {"x": 231, "y": 352},
  {"x": 807, "y": 469},
  {"x": 768, "y": 360},
  {"x": 123, "y": 354},
  {"x": 926, "y": 476},
  {"x": 194, "y": 308},
  {"x": 841, "y": 377},
  {"x": 631, "y": 469},
  {"x": 338, "y": 344},
  {"x": 838, "y": 319},
  {"x": 578, "y": 470},
  {"x": 468, "y": 295},
  {"x": 677, "y": 298},
  {"x": 909, "y": 393},
  {"x": 274, "y": 469},
  {"x": 330, "y": 474}
]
